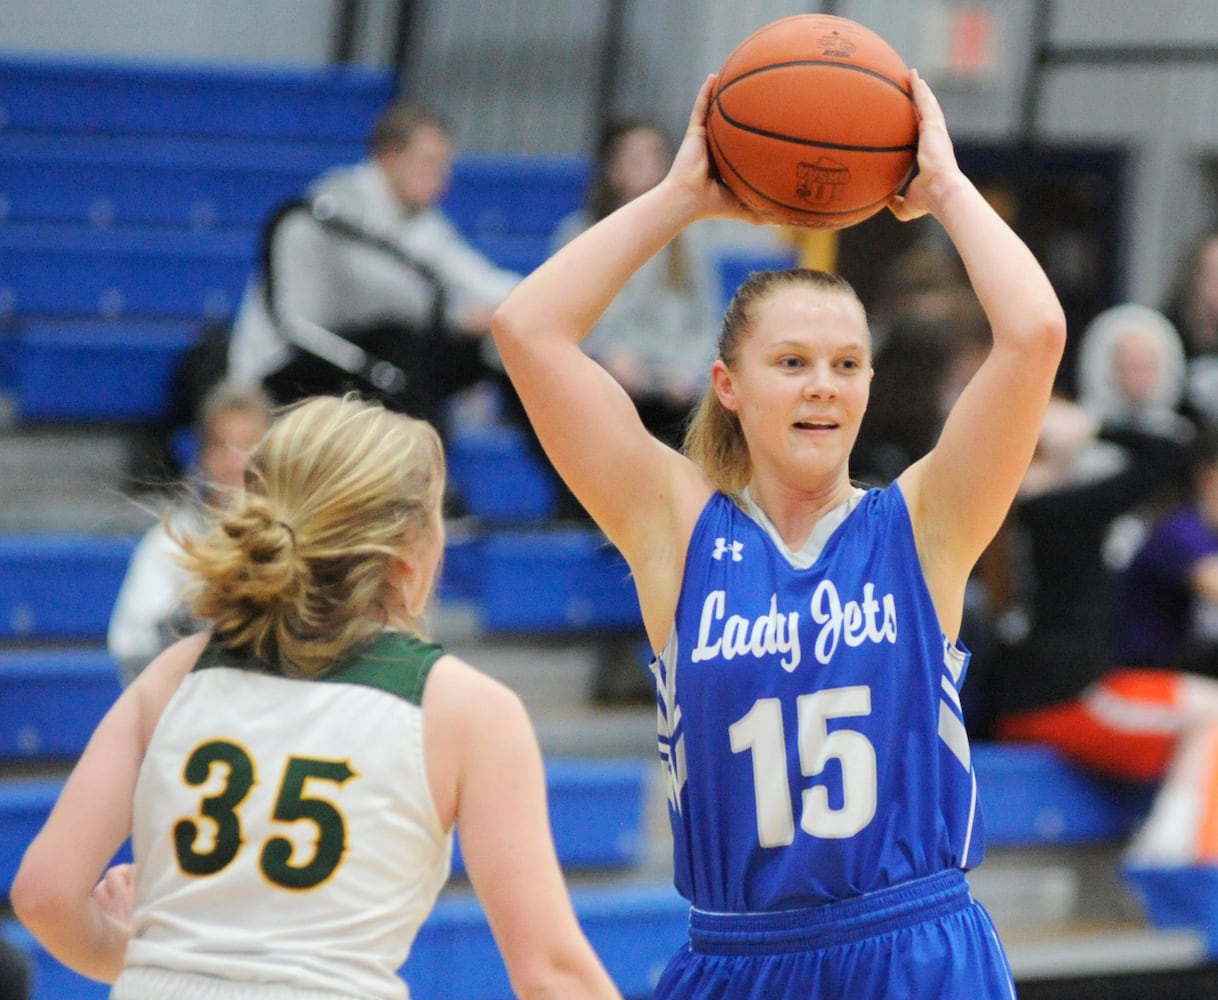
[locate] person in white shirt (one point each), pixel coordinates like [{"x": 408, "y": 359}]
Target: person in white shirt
[
  {"x": 149, "y": 613},
  {"x": 369, "y": 269},
  {"x": 291, "y": 777}
]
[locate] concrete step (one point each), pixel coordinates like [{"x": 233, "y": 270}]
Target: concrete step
[
  {"x": 71, "y": 479},
  {"x": 1108, "y": 951},
  {"x": 1039, "y": 887}
]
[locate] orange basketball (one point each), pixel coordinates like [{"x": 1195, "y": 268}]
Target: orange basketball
[{"x": 812, "y": 123}]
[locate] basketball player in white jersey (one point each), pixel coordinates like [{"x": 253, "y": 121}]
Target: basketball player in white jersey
[{"x": 291, "y": 777}]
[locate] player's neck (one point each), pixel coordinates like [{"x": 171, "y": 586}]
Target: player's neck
[{"x": 795, "y": 512}]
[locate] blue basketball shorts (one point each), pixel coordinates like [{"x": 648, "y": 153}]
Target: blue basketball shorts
[{"x": 927, "y": 938}]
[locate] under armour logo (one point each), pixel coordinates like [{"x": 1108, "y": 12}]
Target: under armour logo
[{"x": 722, "y": 547}]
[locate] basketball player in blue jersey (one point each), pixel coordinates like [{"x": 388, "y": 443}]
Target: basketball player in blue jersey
[
  {"x": 291, "y": 777},
  {"x": 821, "y": 793}
]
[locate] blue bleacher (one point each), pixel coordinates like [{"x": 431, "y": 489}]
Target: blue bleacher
[
  {"x": 59, "y": 586},
  {"x": 555, "y": 580},
  {"x": 73, "y": 271},
  {"x": 121, "y": 180},
  {"x": 500, "y": 479},
  {"x": 1032, "y": 796},
  {"x": 634, "y": 929},
  {"x": 94, "y": 370},
  {"x": 52, "y": 699},
  {"x": 47, "y": 94},
  {"x": 735, "y": 266},
  {"x": 597, "y": 812},
  {"x": 515, "y": 194}
]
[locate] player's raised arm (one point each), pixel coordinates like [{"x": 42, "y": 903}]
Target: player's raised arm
[{"x": 585, "y": 421}]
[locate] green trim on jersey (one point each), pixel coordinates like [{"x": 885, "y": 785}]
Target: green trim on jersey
[{"x": 394, "y": 662}]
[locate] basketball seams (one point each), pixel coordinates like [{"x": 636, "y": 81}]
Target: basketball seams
[
  {"x": 717, "y": 104},
  {"x": 762, "y": 200},
  {"x": 790, "y": 63},
  {"x": 841, "y": 27},
  {"x": 905, "y": 147}
]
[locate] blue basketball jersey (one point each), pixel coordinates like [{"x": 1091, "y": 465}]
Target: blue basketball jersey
[{"x": 810, "y": 717}]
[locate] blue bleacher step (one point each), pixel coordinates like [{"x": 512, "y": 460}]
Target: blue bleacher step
[
  {"x": 131, "y": 271},
  {"x": 556, "y": 580},
  {"x": 51, "y": 700},
  {"x": 634, "y": 929},
  {"x": 101, "y": 181},
  {"x": 1180, "y": 898},
  {"x": 734, "y": 266},
  {"x": 597, "y": 813},
  {"x": 527, "y": 195},
  {"x": 60, "y": 586},
  {"x": 116, "y": 96},
  {"x": 1032, "y": 795},
  {"x": 500, "y": 479},
  {"x": 84, "y": 371}
]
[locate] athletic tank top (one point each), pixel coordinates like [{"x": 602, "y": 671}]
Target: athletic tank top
[
  {"x": 809, "y": 711},
  {"x": 284, "y": 829}
]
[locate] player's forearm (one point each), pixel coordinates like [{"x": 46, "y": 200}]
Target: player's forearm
[
  {"x": 574, "y": 975},
  {"x": 76, "y": 933}
]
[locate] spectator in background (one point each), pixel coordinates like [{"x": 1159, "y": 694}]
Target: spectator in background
[
  {"x": 1105, "y": 465},
  {"x": 149, "y": 613},
  {"x": 932, "y": 336},
  {"x": 1168, "y": 595},
  {"x": 1131, "y": 374},
  {"x": 1131, "y": 370},
  {"x": 1066, "y": 683},
  {"x": 924, "y": 282},
  {"x": 657, "y": 338},
  {"x": 1057, "y": 636},
  {"x": 926, "y": 358},
  {"x": 372, "y": 259},
  {"x": 1192, "y": 306}
]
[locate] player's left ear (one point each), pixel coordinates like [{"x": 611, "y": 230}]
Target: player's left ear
[{"x": 724, "y": 386}]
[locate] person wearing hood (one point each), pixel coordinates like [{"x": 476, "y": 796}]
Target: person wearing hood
[
  {"x": 1132, "y": 378},
  {"x": 1132, "y": 371}
]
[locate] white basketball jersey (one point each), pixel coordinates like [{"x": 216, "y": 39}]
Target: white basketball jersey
[{"x": 285, "y": 832}]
